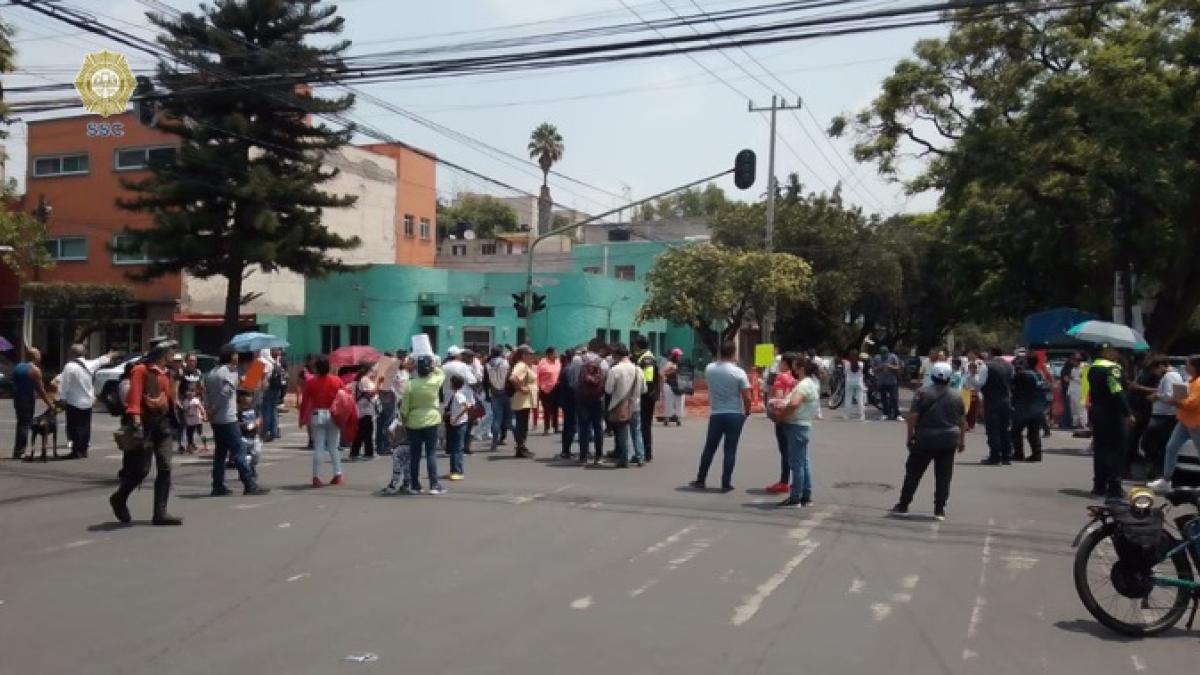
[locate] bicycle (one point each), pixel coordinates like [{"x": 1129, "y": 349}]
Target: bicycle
[
  {"x": 1142, "y": 598},
  {"x": 837, "y": 387}
]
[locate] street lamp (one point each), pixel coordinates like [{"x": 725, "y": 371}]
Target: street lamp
[{"x": 611, "y": 305}]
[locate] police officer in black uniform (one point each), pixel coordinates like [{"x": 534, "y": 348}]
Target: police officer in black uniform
[{"x": 1110, "y": 417}]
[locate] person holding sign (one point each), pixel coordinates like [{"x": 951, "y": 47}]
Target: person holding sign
[{"x": 1187, "y": 407}]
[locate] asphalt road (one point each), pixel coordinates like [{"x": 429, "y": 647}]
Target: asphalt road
[{"x": 542, "y": 568}]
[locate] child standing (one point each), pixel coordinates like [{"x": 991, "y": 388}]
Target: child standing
[
  {"x": 194, "y": 418},
  {"x": 457, "y": 412},
  {"x": 248, "y": 422}
]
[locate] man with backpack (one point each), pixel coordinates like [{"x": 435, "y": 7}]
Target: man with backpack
[
  {"x": 587, "y": 380},
  {"x": 648, "y": 364}
]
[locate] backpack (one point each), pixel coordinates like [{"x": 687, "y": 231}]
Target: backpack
[
  {"x": 1140, "y": 540},
  {"x": 112, "y": 398},
  {"x": 590, "y": 386},
  {"x": 278, "y": 380}
]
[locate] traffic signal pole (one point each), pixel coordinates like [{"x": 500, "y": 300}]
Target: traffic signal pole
[{"x": 566, "y": 228}]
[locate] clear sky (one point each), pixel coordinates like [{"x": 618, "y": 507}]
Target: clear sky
[{"x": 636, "y": 127}]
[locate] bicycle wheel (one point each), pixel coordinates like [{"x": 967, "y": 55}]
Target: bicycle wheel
[
  {"x": 1123, "y": 601},
  {"x": 837, "y": 390}
]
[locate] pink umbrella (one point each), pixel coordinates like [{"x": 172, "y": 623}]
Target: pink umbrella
[{"x": 352, "y": 356}]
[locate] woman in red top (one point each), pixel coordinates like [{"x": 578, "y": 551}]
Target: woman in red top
[
  {"x": 781, "y": 387},
  {"x": 315, "y": 403}
]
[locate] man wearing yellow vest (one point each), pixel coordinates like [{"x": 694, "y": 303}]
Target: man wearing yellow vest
[
  {"x": 1110, "y": 416},
  {"x": 645, "y": 360}
]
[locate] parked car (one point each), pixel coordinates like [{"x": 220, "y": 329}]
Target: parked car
[{"x": 107, "y": 378}]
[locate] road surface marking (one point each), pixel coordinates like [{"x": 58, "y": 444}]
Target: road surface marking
[
  {"x": 582, "y": 603},
  {"x": 284, "y": 526},
  {"x": 910, "y": 581},
  {"x": 1017, "y": 562},
  {"x": 726, "y": 576},
  {"x": 694, "y": 550},
  {"x": 1138, "y": 664},
  {"x": 902, "y": 598},
  {"x": 643, "y": 588},
  {"x": 935, "y": 531},
  {"x": 560, "y": 490},
  {"x": 881, "y": 611},
  {"x": 857, "y": 586},
  {"x": 247, "y": 507},
  {"x": 663, "y": 543},
  {"x": 69, "y": 545},
  {"x": 298, "y": 577},
  {"x": 754, "y": 602},
  {"x": 985, "y": 558}
]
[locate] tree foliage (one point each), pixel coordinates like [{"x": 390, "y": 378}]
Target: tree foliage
[
  {"x": 244, "y": 189},
  {"x": 1066, "y": 146},
  {"x": 487, "y": 216},
  {"x": 19, "y": 231},
  {"x": 546, "y": 147},
  {"x": 7, "y": 65},
  {"x": 689, "y": 203},
  {"x": 714, "y": 288},
  {"x": 85, "y": 308}
]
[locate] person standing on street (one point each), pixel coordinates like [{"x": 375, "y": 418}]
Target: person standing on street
[
  {"x": 673, "y": 390},
  {"x": 936, "y": 429},
  {"x": 1139, "y": 395},
  {"x": 422, "y": 415},
  {"x": 1187, "y": 428},
  {"x": 276, "y": 389},
  {"x": 28, "y": 389},
  {"x": 221, "y": 404},
  {"x": 548, "y": 370},
  {"x": 366, "y": 397},
  {"x": 497, "y": 376},
  {"x": 78, "y": 394},
  {"x": 856, "y": 393},
  {"x": 974, "y": 368},
  {"x": 1111, "y": 418},
  {"x": 886, "y": 367},
  {"x": 730, "y": 400},
  {"x": 523, "y": 383},
  {"x": 587, "y": 382},
  {"x": 648, "y": 363},
  {"x": 151, "y": 413},
  {"x": 1028, "y": 401},
  {"x": 566, "y": 402},
  {"x": 1162, "y": 416},
  {"x": 459, "y": 363},
  {"x": 316, "y": 402},
  {"x": 625, "y": 385},
  {"x": 782, "y": 385},
  {"x": 1075, "y": 391},
  {"x": 795, "y": 412},
  {"x": 995, "y": 383}
]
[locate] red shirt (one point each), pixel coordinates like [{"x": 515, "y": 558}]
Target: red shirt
[
  {"x": 137, "y": 387},
  {"x": 784, "y": 383},
  {"x": 319, "y": 392}
]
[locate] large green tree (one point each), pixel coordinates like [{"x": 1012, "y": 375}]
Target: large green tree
[
  {"x": 714, "y": 289},
  {"x": 22, "y": 237},
  {"x": 1066, "y": 147},
  {"x": 245, "y": 187},
  {"x": 487, "y": 216}
]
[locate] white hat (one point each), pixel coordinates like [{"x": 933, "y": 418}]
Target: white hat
[
  {"x": 454, "y": 350},
  {"x": 941, "y": 372}
]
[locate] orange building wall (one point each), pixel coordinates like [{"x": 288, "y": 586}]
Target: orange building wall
[
  {"x": 416, "y": 195},
  {"x": 85, "y": 205}
]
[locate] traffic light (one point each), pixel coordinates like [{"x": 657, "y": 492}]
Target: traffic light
[
  {"x": 745, "y": 165},
  {"x": 539, "y": 302},
  {"x": 519, "y": 304}
]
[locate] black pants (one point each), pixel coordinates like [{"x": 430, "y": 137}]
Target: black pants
[
  {"x": 1133, "y": 441},
  {"x": 889, "y": 400},
  {"x": 1029, "y": 423},
  {"x": 364, "y": 438},
  {"x": 1154, "y": 442},
  {"x": 648, "y": 426},
  {"x": 1108, "y": 452},
  {"x": 568, "y": 426},
  {"x": 79, "y": 429},
  {"x": 589, "y": 421},
  {"x": 785, "y": 467},
  {"x": 521, "y": 428},
  {"x": 549, "y": 412},
  {"x": 24, "y": 410},
  {"x": 914, "y": 470},
  {"x": 997, "y": 420},
  {"x": 157, "y": 447}
]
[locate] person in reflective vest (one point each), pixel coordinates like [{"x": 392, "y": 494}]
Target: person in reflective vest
[
  {"x": 1110, "y": 417},
  {"x": 646, "y": 360}
]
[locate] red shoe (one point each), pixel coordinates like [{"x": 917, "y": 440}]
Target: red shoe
[
  {"x": 317, "y": 482},
  {"x": 337, "y": 480},
  {"x": 779, "y": 488}
]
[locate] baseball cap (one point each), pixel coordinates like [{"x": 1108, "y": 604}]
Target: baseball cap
[
  {"x": 941, "y": 372},
  {"x": 454, "y": 350}
]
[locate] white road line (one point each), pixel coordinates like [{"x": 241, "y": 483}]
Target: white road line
[
  {"x": 985, "y": 558},
  {"x": 1138, "y": 664},
  {"x": 694, "y": 550},
  {"x": 857, "y": 586},
  {"x": 582, "y": 603},
  {"x": 754, "y": 602},
  {"x": 935, "y": 531},
  {"x": 247, "y": 507},
  {"x": 298, "y": 577},
  {"x": 902, "y": 598},
  {"x": 910, "y": 581},
  {"x": 726, "y": 576},
  {"x": 1019, "y": 561},
  {"x": 643, "y": 588},
  {"x": 559, "y": 490},
  {"x": 69, "y": 545},
  {"x": 663, "y": 543},
  {"x": 284, "y": 526},
  {"x": 881, "y": 611}
]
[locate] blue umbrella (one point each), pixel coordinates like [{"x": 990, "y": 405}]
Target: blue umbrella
[
  {"x": 1111, "y": 334},
  {"x": 256, "y": 342}
]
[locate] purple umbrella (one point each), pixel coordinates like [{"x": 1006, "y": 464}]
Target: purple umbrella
[{"x": 5, "y": 345}]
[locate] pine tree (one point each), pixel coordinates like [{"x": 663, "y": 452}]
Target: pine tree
[{"x": 243, "y": 190}]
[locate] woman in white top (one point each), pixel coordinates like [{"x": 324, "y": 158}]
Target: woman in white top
[
  {"x": 856, "y": 393},
  {"x": 1075, "y": 393},
  {"x": 366, "y": 396}
]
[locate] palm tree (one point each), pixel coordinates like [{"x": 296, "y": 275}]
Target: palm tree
[{"x": 546, "y": 146}]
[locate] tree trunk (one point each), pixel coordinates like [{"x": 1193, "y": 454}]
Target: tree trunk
[
  {"x": 233, "y": 301},
  {"x": 1173, "y": 309}
]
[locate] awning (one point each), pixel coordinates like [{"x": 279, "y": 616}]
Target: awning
[{"x": 198, "y": 319}]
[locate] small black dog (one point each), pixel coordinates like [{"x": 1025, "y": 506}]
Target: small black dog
[{"x": 46, "y": 426}]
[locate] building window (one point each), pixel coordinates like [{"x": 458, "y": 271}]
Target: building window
[
  {"x": 431, "y": 332},
  {"x": 360, "y": 335},
  {"x": 478, "y": 340},
  {"x": 479, "y": 311},
  {"x": 429, "y": 310},
  {"x": 408, "y": 226},
  {"x": 624, "y": 272},
  {"x": 67, "y": 248},
  {"x": 424, "y": 228},
  {"x": 60, "y": 165},
  {"x": 601, "y": 334},
  {"x": 125, "y": 257},
  {"x": 458, "y": 249},
  {"x": 614, "y": 336},
  {"x": 591, "y": 270},
  {"x": 488, "y": 249},
  {"x": 331, "y": 338},
  {"x": 131, "y": 159}
]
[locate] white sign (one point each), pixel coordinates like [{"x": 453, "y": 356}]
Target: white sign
[{"x": 421, "y": 345}]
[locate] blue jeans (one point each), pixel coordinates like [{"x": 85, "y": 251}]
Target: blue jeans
[
  {"x": 228, "y": 439},
  {"x": 270, "y": 414},
  {"x": 326, "y": 438},
  {"x": 423, "y": 441},
  {"x": 798, "y": 460},
  {"x": 727, "y": 426},
  {"x": 455, "y": 442},
  {"x": 589, "y": 417},
  {"x": 629, "y": 440},
  {"x": 501, "y": 417},
  {"x": 1179, "y": 436}
]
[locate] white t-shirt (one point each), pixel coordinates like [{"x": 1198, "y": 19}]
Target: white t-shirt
[
  {"x": 466, "y": 372},
  {"x": 458, "y": 404},
  {"x": 1171, "y": 378},
  {"x": 364, "y": 395}
]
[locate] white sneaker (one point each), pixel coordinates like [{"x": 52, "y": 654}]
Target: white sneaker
[
  {"x": 1162, "y": 485},
  {"x": 438, "y": 490},
  {"x": 391, "y": 489}
]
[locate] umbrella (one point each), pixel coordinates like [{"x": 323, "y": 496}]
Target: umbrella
[
  {"x": 1111, "y": 334},
  {"x": 352, "y": 356},
  {"x": 5, "y": 345},
  {"x": 256, "y": 342}
]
